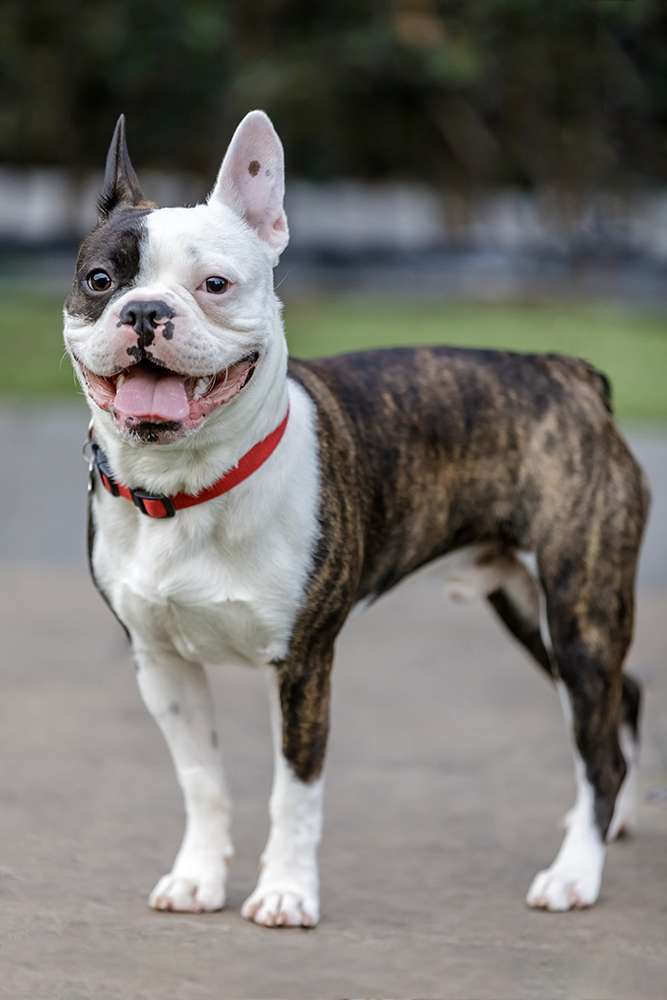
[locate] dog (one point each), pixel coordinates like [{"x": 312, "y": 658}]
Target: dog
[{"x": 242, "y": 504}]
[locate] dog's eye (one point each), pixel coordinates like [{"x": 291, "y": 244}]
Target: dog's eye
[
  {"x": 216, "y": 286},
  {"x": 99, "y": 281}
]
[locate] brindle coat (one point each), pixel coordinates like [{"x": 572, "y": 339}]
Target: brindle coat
[{"x": 425, "y": 450}]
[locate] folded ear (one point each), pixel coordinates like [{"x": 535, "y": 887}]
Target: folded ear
[
  {"x": 121, "y": 184},
  {"x": 252, "y": 179}
]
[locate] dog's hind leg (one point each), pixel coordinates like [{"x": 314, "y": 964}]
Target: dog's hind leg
[
  {"x": 518, "y": 608},
  {"x": 287, "y": 893},
  {"x": 517, "y": 604},
  {"x": 176, "y": 693},
  {"x": 625, "y": 809},
  {"x": 587, "y": 570}
]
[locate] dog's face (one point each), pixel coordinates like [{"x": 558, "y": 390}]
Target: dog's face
[{"x": 172, "y": 311}]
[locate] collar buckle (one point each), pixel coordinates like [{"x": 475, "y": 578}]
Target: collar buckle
[{"x": 146, "y": 502}]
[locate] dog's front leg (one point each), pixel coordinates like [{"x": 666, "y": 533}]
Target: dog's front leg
[
  {"x": 287, "y": 893},
  {"x": 177, "y": 695}
]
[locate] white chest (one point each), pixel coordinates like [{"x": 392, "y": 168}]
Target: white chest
[
  {"x": 210, "y": 611},
  {"x": 223, "y": 581}
]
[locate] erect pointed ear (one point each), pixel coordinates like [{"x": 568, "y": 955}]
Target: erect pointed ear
[
  {"x": 121, "y": 184},
  {"x": 252, "y": 179}
]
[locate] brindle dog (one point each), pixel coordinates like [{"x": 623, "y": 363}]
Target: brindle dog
[
  {"x": 427, "y": 450},
  {"x": 505, "y": 467},
  {"x": 430, "y": 449}
]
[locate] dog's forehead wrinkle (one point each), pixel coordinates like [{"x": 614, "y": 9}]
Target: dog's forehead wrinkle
[{"x": 204, "y": 236}]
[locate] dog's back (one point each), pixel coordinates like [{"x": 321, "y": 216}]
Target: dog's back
[{"x": 450, "y": 446}]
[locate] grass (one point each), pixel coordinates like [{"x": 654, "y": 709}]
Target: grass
[
  {"x": 31, "y": 346},
  {"x": 629, "y": 345}
]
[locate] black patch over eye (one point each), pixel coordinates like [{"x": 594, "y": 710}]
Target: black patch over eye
[
  {"x": 99, "y": 281},
  {"x": 216, "y": 286}
]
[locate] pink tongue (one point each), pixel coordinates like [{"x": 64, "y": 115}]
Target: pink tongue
[{"x": 151, "y": 396}]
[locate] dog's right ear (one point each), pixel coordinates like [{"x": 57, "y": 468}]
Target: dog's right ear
[
  {"x": 252, "y": 179},
  {"x": 121, "y": 184}
]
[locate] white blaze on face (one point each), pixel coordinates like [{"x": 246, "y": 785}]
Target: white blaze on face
[
  {"x": 168, "y": 350},
  {"x": 181, "y": 329}
]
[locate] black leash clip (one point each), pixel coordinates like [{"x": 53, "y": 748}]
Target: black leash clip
[{"x": 100, "y": 460}]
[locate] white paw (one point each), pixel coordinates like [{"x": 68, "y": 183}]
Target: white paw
[
  {"x": 200, "y": 894},
  {"x": 282, "y": 905},
  {"x": 558, "y": 889}
]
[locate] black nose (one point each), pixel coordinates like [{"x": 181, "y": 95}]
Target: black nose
[{"x": 144, "y": 316}]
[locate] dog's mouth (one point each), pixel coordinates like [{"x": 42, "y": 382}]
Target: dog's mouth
[{"x": 149, "y": 393}]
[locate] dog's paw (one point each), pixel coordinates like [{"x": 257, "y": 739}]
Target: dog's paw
[
  {"x": 558, "y": 890},
  {"x": 189, "y": 895},
  {"x": 282, "y": 906}
]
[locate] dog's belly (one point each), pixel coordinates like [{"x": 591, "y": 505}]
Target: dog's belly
[{"x": 473, "y": 572}]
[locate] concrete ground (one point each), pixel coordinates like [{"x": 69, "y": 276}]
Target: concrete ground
[{"x": 448, "y": 769}]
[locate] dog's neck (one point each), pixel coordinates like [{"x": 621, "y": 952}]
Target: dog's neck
[{"x": 230, "y": 432}]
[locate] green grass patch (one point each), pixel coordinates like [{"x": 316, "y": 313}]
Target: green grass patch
[
  {"x": 31, "y": 346},
  {"x": 630, "y": 346}
]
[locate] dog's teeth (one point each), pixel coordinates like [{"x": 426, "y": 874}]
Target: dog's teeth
[
  {"x": 120, "y": 380},
  {"x": 201, "y": 387}
]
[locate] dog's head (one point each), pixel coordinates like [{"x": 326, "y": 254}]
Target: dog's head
[{"x": 172, "y": 311}]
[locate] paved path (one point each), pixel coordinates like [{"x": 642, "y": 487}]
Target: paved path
[{"x": 447, "y": 771}]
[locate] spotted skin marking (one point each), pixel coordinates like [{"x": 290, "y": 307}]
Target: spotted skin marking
[
  {"x": 254, "y": 167},
  {"x": 145, "y": 316}
]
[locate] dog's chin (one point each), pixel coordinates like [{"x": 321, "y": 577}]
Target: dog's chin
[
  {"x": 141, "y": 432},
  {"x": 150, "y": 404}
]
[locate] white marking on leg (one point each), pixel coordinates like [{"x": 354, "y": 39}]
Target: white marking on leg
[
  {"x": 176, "y": 694},
  {"x": 474, "y": 571},
  {"x": 287, "y": 893},
  {"x": 573, "y": 880},
  {"x": 625, "y": 809}
]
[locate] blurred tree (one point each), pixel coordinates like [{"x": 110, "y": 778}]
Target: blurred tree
[{"x": 460, "y": 92}]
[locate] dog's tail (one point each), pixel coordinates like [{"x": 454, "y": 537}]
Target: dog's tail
[
  {"x": 601, "y": 384},
  {"x": 590, "y": 374}
]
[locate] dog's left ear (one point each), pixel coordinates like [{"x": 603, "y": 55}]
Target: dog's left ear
[
  {"x": 252, "y": 179},
  {"x": 121, "y": 184}
]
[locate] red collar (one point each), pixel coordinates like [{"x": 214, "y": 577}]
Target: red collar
[{"x": 159, "y": 505}]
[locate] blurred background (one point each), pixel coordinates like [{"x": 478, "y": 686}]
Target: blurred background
[{"x": 487, "y": 172}]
